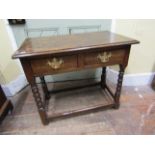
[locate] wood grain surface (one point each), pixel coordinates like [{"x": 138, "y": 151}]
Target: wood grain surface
[{"x": 65, "y": 43}]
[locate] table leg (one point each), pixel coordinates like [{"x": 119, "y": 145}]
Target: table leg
[
  {"x": 103, "y": 77},
  {"x": 44, "y": 87},
  {"x": 40, "y": 104},
  {"x": 119, "y": 87}
]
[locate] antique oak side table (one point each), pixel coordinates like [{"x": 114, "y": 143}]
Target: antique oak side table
[{"x": 58, "y": 54}]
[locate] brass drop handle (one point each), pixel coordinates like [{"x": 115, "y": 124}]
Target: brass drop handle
[
  {"x": 104, "y": 57},
  {"x": 55, "y": 63}
]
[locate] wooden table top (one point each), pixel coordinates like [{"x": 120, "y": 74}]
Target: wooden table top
[{"x": 65, "y": 43}]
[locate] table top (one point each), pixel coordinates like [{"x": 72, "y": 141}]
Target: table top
[{"x": 66, "y": 43}]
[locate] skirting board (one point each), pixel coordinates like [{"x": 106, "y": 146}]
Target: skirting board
[
  {"x": 15, "y": 86},
  {"x": 129, "y": 80}
]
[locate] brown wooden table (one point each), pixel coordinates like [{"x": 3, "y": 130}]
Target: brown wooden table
[{"x": 59, "y": 54}]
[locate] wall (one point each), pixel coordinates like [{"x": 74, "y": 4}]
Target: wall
[
  {"x": 142, "y": 57},
  {"x": 62, "y": 24},
  {"x": 9, "y": 69}
]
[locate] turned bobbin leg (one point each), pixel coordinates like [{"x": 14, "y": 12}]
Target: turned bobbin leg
[
  {"x": 31, "y": 79},
  {"x": 118, "y": 88},
  {"x": 40, "y": 104},
  {"x": 103, "y": 77},
  {"x": 44, "y": 87}
]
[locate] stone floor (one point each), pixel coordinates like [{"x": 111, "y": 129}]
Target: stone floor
[{"x": 136, "y": 114}]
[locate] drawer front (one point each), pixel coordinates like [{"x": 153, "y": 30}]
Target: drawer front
[
  {"x": 54, "y": 65},
  {"x": 101, "y": 58}
]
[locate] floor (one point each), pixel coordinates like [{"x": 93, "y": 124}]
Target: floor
[{"x": 136, "y": 114}]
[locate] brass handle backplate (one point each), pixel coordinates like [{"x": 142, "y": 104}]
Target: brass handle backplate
[
  {"x": 104, "y": 57},
  {"x": 55, "y": 63}
]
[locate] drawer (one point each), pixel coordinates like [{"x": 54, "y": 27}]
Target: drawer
[
  {"x": 101, "y": 58},
  {"x": 52, "y": 65}
]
